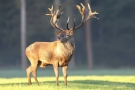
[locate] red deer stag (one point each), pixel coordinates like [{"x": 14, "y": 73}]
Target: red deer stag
[{"x": 59, "y": 52}]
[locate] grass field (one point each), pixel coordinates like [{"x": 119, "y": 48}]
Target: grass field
[{"x": 123, "y": 79}]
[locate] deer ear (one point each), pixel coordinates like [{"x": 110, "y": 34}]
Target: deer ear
[
  {"x": 58, "y": 33},
  {"x": 71, "y": 32}
]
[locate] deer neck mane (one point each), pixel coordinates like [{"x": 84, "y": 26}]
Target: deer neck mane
[{"x": 65, "y": 48}]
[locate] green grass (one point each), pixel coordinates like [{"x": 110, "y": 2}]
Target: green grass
[{"x": 77, "y": 80}]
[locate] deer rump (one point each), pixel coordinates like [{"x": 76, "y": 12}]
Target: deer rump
[{"x": 47, "y": 53}]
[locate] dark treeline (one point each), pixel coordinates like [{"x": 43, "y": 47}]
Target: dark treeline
[{"x": 113, "y": 35}]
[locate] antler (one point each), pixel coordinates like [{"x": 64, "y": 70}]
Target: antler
[
  {"x": 85, "y": 15},
  {"x": 55, "y": 17}
]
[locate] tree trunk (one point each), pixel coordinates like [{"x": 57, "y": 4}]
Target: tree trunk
[
  {"x": 70, "y": 13},
  {"x": 23, "y": 35},
  {"x": 88, "y": 42}
]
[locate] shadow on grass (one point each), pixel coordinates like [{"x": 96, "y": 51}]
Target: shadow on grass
[{"x": 78, "y": 83}]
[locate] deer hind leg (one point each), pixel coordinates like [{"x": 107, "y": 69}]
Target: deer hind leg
[
  {"x": 28, "y": 71},
  {"x": 34, "y": 71}
]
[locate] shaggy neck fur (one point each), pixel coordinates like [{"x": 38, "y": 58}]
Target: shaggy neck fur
[{"x": 66, "y": 48}]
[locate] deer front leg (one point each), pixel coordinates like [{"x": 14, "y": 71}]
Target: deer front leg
[
  {"x": 56, "y": 70},
  {"x": 64, "y": 69}
]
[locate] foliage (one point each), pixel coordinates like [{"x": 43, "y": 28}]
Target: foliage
[{"x": 9, "y": 31}]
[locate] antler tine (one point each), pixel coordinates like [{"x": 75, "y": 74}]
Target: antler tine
[
  {"x": 74, "y": 22},
  {"x": 73, "y": 25},
  {"x": 91, "y": 14},
  {"x": 81, "y": 10},
  {"x": 51, "y": 11},
  {"x": 89, "y": 8},
  {"x": 68, "y": 22},
  {"x": 59, "y": 15},
  {"x": 55, "y": 17}
]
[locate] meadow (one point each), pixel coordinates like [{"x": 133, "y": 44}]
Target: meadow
[{"x": 120, "y": 79}]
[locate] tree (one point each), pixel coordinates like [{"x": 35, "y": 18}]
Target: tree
[
  {"x": 88, "y": 42},
  {"x": 23, "y": 34},
  {"x": 70, "y": 13}
]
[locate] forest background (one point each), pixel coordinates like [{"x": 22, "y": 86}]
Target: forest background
[{"x": 112, "y": 36}]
